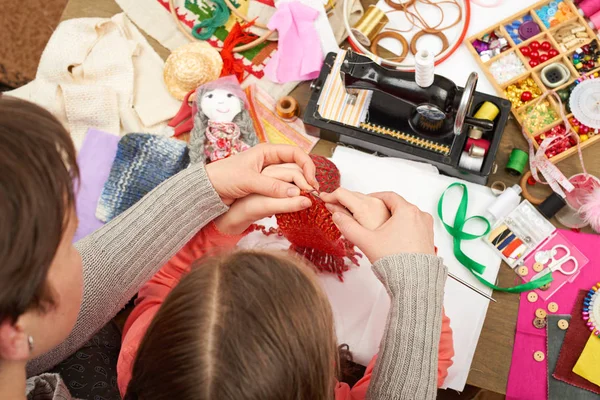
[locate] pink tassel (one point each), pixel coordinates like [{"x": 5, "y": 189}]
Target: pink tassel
[{"x": 590, "y": 210}]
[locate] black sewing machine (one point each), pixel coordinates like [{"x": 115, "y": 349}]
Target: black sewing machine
[{"x": 405, "y": 120}]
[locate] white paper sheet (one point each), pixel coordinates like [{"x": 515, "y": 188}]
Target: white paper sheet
[{"x": 360, "y": 304}]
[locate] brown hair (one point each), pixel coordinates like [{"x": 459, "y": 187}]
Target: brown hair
[
  {"x": 37, "y": 169},
  {"x": 249, "y": 325}
]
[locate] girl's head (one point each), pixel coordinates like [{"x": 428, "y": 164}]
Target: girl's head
[
  {"x": 40, "y": 270},
  {"x": 249, "y": 325}
]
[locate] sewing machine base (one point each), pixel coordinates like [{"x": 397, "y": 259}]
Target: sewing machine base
[{"x": 370, "y": 136}]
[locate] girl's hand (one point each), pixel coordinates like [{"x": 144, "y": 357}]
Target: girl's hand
[
  {"x": 367, "y": 210},
  {"x": 240, "y": 175},
  {"x": 246, "y": 211},
  {"x": 409, "y": 230}
]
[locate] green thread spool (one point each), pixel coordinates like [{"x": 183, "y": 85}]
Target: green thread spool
[{"x": 517, "y": 162}]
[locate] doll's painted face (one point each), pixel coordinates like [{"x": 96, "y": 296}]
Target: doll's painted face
[{"x": 220, "y": 105}]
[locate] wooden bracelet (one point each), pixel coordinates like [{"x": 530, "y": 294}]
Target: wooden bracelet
[
  {"x": 394, "y": 35},
  {"x": 528, "y": 196},
  {"x": 418, "y": 35}
]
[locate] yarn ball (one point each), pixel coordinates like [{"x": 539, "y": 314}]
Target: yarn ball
[
  {"x": 143, "y": 161},
  {"x": 327, "y": 174},
  {"x": 590, "y": 210},
  {"x": 190, "y": 66}
]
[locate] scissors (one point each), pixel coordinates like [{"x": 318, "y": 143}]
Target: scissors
[{"x": 556, "y": 264}]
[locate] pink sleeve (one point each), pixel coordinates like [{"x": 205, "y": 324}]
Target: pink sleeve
[
  {"x": 446, "y": 350},
  {"x": 153, "y": 293}
]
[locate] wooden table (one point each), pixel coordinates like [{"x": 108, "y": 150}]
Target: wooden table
[{"x": 491, "y": 363}]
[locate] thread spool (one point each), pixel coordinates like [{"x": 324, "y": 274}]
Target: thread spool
[
  {"x": 424, "y": 66},
  {"x": 517, "y": 162},
  {"x": 482, "y": 143},
  {"x": 476, "y": 151},
  {"x": 588, "y": 7},
  {"x": 553, "y": 204},
  {"x": 595, "y": 20},
  {"x": 287, "y": 107},
  {"x": 470, "y": 163},
  {"x": 371, "y": 23},
  {"x": 505, "y": 203},
  {"x": 475, "y": 133},
  {"x": 498, "y": 188},
  {"x": 488, "y": 110}
]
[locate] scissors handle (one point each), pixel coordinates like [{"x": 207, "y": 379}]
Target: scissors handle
[{"x": 564, "y": 260}]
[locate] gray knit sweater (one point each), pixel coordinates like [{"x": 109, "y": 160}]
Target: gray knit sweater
[{"x": 120, "y": 257}]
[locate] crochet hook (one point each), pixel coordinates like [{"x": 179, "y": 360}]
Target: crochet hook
[{"x": 473, "y": 288}]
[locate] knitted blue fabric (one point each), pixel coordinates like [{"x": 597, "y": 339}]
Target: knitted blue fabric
[{"x": 142, "y": 162}]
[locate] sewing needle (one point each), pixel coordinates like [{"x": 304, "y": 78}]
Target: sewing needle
[{"x": 473, "y": 288}]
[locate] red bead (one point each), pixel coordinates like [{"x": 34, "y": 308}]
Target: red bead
[
  {"x": 583, "y": 130},
  {"x": 552, "y": 53},
  {"x": 531, "y": 181},
  {"x": 525, "y": 51},
  {"x": 586, "y": 48},
  {"x": 545, "y": 46},
  {"x": 534, "y": 54},
  {"x": 533, "y": 63},
  {"x": 534, "y": 45},
  {"x": 576, "y": 230},
  {"x": 526, "y": 96},
  {"x": 574, "y": 121},
  {"x": 543, "y": 58}
]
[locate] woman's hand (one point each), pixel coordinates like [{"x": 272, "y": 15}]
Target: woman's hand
[
  {"x": 369, "y": 211},
  {"x": 240, "y": 175},
  {"x": 409, "y": 230},
  {"x": 244, "y": 212}
]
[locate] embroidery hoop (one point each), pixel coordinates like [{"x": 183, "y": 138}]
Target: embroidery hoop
[
  {"x": 234, "y": 11},
  {"x": 591, "y": 310}
]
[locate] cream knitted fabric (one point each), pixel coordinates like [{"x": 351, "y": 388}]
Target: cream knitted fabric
[
  {"x": 406, "y": 368},
  {"x": 101, "y": 73}
]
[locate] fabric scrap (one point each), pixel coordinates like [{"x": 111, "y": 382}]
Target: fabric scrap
[
  {"x": 588, "y": 364},
  {"x": 299, "y": 56},
  {"x": 559, "y": 390},
  {"x": 573, "y": 345},
  {"x": 95, "y": 160},
  {"x": 143, "y": 162}
]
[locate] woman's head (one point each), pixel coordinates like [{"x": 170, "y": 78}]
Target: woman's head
[
  {"x": 40, "y": 270},
  {"x": 249, "y": 325}
]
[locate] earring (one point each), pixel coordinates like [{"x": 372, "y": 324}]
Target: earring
[{"x": 30, "y": 342}]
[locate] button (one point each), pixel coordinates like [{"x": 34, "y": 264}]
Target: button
[
  {"x": 538, "y": 267},
  {"x": 563, "y": 324},
  {"x": 539, "y": 323},
  {"x": 523, "y": 271},
  {"x": 532, "y": 297},
  {"x": 540, "y": 313},
  {"x": 553, "y": 307},
  {"x": 545, "y": 287},
  {"x": 528, "y": 30},
  {"x": 539, "y": 356}
]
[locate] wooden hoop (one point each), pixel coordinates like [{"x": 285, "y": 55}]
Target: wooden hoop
[
  {"x": 528, "y": 196},
  {"x": 418, "y": 35},
  {"x": 394, "y": 35}
]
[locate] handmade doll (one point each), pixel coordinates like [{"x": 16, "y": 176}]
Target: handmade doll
[{"x": 222, "y": 124}]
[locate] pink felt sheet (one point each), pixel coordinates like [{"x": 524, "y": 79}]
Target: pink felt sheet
[{"x": 527, "y": 379}]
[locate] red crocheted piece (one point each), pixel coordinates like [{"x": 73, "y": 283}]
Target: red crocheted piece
[{"x": 312, "y": 232}]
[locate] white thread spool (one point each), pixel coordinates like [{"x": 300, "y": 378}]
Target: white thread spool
[
  {"x": 424, "y": 65},
  {"x": 505, "y": 203},
  {"x": 470, "y": 163}
]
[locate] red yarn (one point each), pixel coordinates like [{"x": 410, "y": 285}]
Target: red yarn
[
  {"x": 237, "y": 36},
  {"x": 312, "y": 232}
]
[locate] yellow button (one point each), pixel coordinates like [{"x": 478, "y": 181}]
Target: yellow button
[
  {"x": 538, "y": 267},
  {"x": 540, "y": 313},
  {"x": 553, "y": 307},
  {"x": 523, "y": 271},
  {"x": 539, "y": 356},
  {"x": 563, "y": 324},
  {"x": 539, "y": 323},
  {"x": 532, "y": 297}
]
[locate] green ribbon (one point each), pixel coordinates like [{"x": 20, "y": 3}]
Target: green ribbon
[{"x": 459, "y": 234}]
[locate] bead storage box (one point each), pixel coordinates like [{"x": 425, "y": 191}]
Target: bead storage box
[{"x": 547, "y": 47}]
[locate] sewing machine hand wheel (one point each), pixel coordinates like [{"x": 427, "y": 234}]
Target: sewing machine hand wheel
[{"x": 465, "y": 104}]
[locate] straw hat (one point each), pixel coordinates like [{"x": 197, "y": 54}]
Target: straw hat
[{"x": 190, "y": 66}]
